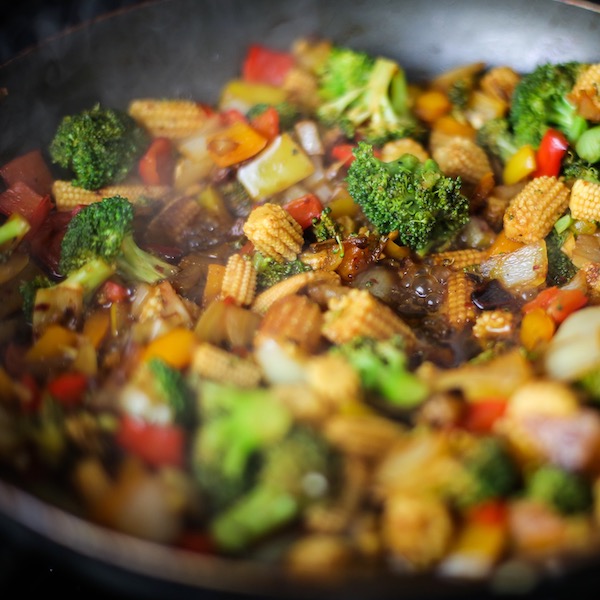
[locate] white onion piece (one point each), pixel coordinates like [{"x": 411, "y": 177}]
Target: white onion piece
[
  {"x": 280, "y": 364},
  {"x": 525, "y": 267},
  {"x": 575, "y": 348},
  {"x": 195, "y": 147},
  {"x": 309, "y": 137}
]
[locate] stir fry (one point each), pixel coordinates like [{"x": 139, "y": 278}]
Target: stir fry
[{"x": 338, "y": 321}]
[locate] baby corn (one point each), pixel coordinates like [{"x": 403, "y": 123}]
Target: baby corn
[
  {"x": 239, "y": 280},
  {"x": 584, "y": 202},
  {"x": 174, "y": 119}
]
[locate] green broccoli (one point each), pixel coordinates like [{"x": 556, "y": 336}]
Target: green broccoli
[
  {"x": 269, "y": 271},
  {"x": 560, "y": 267},
  {"x": 325, "y": 228},
  {"x": 297, "y": 471},
  {"x": 100, "y": 146},
  {"x": 495, "y": 136},
  {"x": 236, "y": 426},
  {"x": 382, "y": 366},
  {"x": 574, "y": 167},
  {"x": 104, "y": 230},
  {"x": 365, "y": 96},
  {"x": 12, "y": 232},
  {"x": 489, "y": 472},
  {"x": 589, "y": 383},
  {"x": 88, "y": 277},
  {"x": 564, "y": 491},
  {"x": 288, "y": 113},
  {"x": 171, "y": 387},
  {"x": 540, "y": 101},
  {"x": 236, "y": 198},
  {"x": 413, "y": 198}
]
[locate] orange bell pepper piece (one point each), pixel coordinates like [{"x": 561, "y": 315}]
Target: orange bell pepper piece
[
  {"x": 174, "y": 347},
  {"x": 236, "y": 143}
]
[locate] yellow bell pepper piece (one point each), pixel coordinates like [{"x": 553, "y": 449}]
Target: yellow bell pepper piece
[
  {"x": 342, "y": 204},
  {"x": 214, "y": 282},
  {"x": 235, "y": 144},
  {"x": 537, "y": 328},
  {"x": 520, "y": 165},
  {"x": 450, "y": 125},
  {"x": 282, "y": 164},
  {"x": 96, "y": 327},
  {"x": 55, "y": 342},
  {"x": 242, "y": 95},
  {"x": 174, "y": 347},
  {"x": 431, "y": 105},
  {"x": 502, "y": 245}
]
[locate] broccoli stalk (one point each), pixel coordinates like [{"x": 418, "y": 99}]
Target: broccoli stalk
[
  {"x": 269, "y": 271},
  {"x": 237, "y": 425},
  {"x": 383, "y": 370},
  {"x": 297, "y": 471},
  {"x": 365, "y": 96},
  {"x": 12, "y": 232},
  {"x": 496, "y": 137},
  {"x": 413, "y": 198},
  {"x": 287, "y": 112},
  {"x": 105, "y": 230},
  {"x": 564, "y": 491},
  {"x": 100, "y": 146},
  {"x": 540, "y": 101},
  {"x": 55, "y": 297}
]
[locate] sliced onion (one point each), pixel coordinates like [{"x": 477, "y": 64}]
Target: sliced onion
[
  {"x": 280, "y": 364},
  {"x": 575, "y": 348},
  {"x": 309, "y": 137},
  {"x": 525, "y": 267}
]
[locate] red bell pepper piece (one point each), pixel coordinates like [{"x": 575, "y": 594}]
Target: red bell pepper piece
[
  {"x": 31, "y": 169},
  {"x": 22, "y": 199},
  {"x": 68, "y": 388},
  {"x": 550, "y": 154},
  {"x": 156, "y": 444},
  {"x": 231, "y": 116},
  {"x": 267, "y": 123},
  {"x": 343, "y": 153},
  {"x": 157, "y": 165},
  {"x": 113, "y": 292},
  {"x": 491, "y": 512},
  {"x": 265, "y": 65},
  {"x": 481, "y": 415},
  {"x": 558, "y": 303},
  {"x": 305, "y": 209}
]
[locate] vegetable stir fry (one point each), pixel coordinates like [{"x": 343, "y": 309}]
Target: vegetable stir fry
[{"x": 339, "y": 321}]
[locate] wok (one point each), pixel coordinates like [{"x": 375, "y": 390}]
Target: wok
[{"x": 190, "y": 48}]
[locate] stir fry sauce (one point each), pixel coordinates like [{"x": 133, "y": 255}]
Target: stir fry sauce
[{"x": 338, "y": 314}]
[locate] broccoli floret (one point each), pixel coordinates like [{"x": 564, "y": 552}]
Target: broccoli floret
[
  {"x": 574, "y": 167},
  {"x": 288, "y": 113},
  {"x": 540, "y": 101},
  {"x": 298, "y": 471},
  {"x": 382, "y": 366},
  {"x": 496, "y": 137},
  {"x": 590, "y": 384},
  {"x": 269, "y": 271},
  {"x": 413, "y": 198},
  {"x": 489, "y": 472},
  {"x": 88, "y": 277},
  {"x": 564, "y": 491},
  {"x": 236, "y": 426},
  {"x": 100, "y": 146},
  {"x": 170, "y": 386},
  {"x": 104, "y": 230},
  {"x": 12, "y": 232},
  {"x": 365, "y": 96},
  {"x": 560, "y": 267},
  {"x": 325, "y": 228}
]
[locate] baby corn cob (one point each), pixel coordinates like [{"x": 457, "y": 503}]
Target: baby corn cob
[
  {"x": 532, "y": 213},
  {"x": 174, "y": 119},
  {"x": 296, "y": 319},
  {"x": 67, "y": 196},
  {"x": 219, "y": 365},
  {"x": 459, "y": 259},
  {"x": 358, "y": 314},
  {"x": 585, "y": 200},
  {"x": 462, "y": 157},
  {"x": 239, "y": 280},
  {"x": 458, "y": 306},
  {"x": 586, "y": 93},
  {"x": 493, "y": 324},
  {"x": 395, "y": 149},
  {"x": 292, "y": 285},
  {"x": 274, "y": 232},
  {"x": 500, "y": 82}
]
